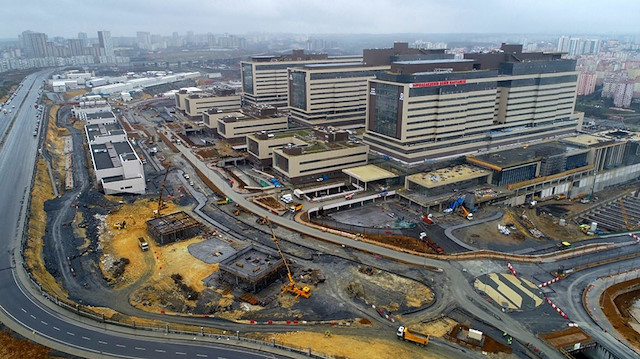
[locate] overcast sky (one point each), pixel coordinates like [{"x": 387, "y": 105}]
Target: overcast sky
[{"x": 123, "y": 18}]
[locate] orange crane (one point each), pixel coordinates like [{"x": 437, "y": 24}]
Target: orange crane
[{"x": 291, "y": 287}]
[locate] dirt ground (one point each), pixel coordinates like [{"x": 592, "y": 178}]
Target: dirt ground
[
  {"x": 10, "y": 346},
  {"x": 353, "y": 347},
  {"x": 437, "y": 328},
  {"x": 71, "y": 94},
  {"x": 614, "y": 304}
]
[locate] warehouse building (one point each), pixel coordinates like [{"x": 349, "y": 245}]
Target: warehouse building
[{"x": 435, "y": 108}]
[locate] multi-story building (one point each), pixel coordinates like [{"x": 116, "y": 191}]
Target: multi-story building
[
  {"x": 195, "y": 104},
  {"x": 623, "y": 94},
  {"x": 325, "y": 156},
  {"x": 260, "y": 145},
  {"x": 264, "y": 78},
  {"x": 234, "y": 126},
  {"x": 586, "y": 83},
  {"x": 427, "y": 109},
  {"x": 34, "y": 44},
  {"x": 106, "y": 45},
  {"x": 330, "y": 94},
  {"x": 116, "y": 165}
]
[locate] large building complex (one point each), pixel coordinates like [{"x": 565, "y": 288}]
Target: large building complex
[
  {"x": 433, "y": 108},
  {"x": 264, "y": 78},
  {"x": 330, "y": 94},
  {"x": 196, "y": 103},
  {"x": 234, "y": 126},
  {"x": 324, "y": 152}
]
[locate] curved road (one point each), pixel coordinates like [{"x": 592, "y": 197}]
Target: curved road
[{"x": 23, "y": 312}]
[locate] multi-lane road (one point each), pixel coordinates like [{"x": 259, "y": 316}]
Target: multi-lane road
[{"x": 24, "y": 312}]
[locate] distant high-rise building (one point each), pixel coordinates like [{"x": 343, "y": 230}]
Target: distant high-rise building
[
  {"x": 623, "y": 94},
  {"x": 563, "y": 44},
  {"x": 191, "y": 39},
  {"x": 106, "y": 44},
  {"x": 76, "y": 47},
  {"x": 576, "y": 46},
  {"x": 211, "y": 40},
  {"x": 586, "y": 83},
  {"x": 144, "y": 40},
  {"x": 34, "y": 44},
  {"x": 83, "y": 37}
]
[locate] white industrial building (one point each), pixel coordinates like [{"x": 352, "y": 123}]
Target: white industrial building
[
  {"x": 143, "y": 82},
  {"x": 116, "y": 165}
]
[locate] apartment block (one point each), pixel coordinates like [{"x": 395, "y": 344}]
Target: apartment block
[
  {"x": 264, "y": 78},
  {"x": 436, "y": 108},
  {"x": 330, "y": 94},
  {"x": 234, "y": 126},
  {"x": 324, "y": 152}
]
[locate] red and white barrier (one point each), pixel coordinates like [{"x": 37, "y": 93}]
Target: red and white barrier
[
  {"x": 634, "y": 237},
  {"x": 549, "y": 282},
  {"x": 511, "y": 269},
  {"x": 556, "y": 308}
]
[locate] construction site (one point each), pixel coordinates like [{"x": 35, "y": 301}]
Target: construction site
[{"x": 185, "y": 248}]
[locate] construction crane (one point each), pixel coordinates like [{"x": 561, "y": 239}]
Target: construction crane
[
  {"x": 156, "y": 213},
  {"x": 291, "y": 287}
]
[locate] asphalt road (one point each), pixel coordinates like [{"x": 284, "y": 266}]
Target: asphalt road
[{"x": 20, "y": 307}]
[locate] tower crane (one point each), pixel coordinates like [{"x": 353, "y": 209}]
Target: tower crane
[{"x": 290, "y": 287}]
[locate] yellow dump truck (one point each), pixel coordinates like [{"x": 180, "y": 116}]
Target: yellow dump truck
[{"x": 412, "y": 336}]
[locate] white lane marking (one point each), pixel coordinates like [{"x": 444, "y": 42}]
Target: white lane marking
[
  {"x": 43, "y": 322},
  {"x": 56, "y": 328},
  {"x": 23, "y": 310},
  {"x": 138, "y": 348},
  {"x": 101, "y": 342},
  {"x": 32, "y": 316},
  {"x": 86, "y": 338},
  {"x": 181, "y": 353},
  {"x": 121, "y": 346},
  {"x": 202, "y": 355},
  {"x": 161, "y": 351},
  {"x": 70, "y": 333}
]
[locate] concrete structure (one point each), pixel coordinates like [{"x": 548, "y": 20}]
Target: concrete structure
[
  {"x": 182, "y": 95},
  {"x": 324, "y": 154},
  {"x": 234, "y": 126},
  {"x": 195, "y": 104},
  {"x": 264, "y": 78},
  {"x": 425, "y": 109},
  {"x": 330, "y": 94},
  {"x": 173, "y": 227},
  {"x": 252, "y": 268},
  {"x": 367, "y": 174},
  {"x": 447, "y": 180},
  {"x": 260, "y": 145}
]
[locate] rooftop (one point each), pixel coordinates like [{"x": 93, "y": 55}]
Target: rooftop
[
  {"x": 172, "y": 223},
  {"x": 368, "y": 173},
  {"x": 434, "y": 61},
  {"x": 96, "y": 130},
  {"x": 519, "y": 155},
  {"x": 449, "y": 175},
  {"x": 102, "y": 114},
  {"x": 333, "y": 65},
  {"x": 108, "y": 155},
  {"x": 252, "y": 263}
]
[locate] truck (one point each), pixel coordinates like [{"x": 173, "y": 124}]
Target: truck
[
  {"x": 142, "y": 243},
  {"x": 287, "y": 198},
  {"x": 405, "y": 333},
  {"x": 295, "y": 207},
  {"x": 224, "y": 201},
  {"x": 436, "y": 248}
]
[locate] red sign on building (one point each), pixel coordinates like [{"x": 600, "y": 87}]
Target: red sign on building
[{"x": 438, "y": 83}]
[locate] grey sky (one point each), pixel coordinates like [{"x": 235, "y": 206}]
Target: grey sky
[{"x": 123, "y": 18}]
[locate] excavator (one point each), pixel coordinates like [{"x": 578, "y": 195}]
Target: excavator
[{"x": 291, "y": 287}]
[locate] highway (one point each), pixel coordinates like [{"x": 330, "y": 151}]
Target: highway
[{"x": 22, "y": 311}]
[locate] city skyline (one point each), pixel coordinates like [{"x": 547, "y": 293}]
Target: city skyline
[{"x": 355, "y": 17}]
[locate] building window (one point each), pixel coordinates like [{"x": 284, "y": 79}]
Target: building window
[
  {"x": 298, "y": 90},
  {"x": 386, "y": 109},
  {"x": 247, "y": 78}
]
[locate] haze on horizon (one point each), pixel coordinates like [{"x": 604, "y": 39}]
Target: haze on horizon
[{"x": 123, "y": 18}]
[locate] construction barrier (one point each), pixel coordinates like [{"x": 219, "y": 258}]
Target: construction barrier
[
  {"x": 549, "y": 282},
  {"x": 634, "y": 237},
  {"x": 556, "y": 308},
  {"x": 511, "y": 269}
]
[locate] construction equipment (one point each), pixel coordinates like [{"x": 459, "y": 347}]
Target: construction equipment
[
  {"x": 291, "y": 287},
  {"x": 156, "y": 213},
  {"x": 261, "y": 220},
  {"x": 121, "y": 225},
  {"x": 224, "y": 201},
  {"x": 466, "y": 214},
  {"x": 412, "y": 336}
]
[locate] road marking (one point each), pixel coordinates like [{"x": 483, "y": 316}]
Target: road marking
[
  {"x": 101, "y": 342},
  {"x": 181, "y": 353},
  {"x": 70, "y": 333},
  {"x": 32, "y": 316},
  {"x": 161, "y": 351},
  {"x": 56, "y": 328},
  {"x": 138, "y": 348},
  {"x": 202, "y": 355},
  {"x": 43, "y": 322},
  {"x": 121, "y": 346},
  {"x": 23, "y": 310},
  {"x": 86, "y": 338}
]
